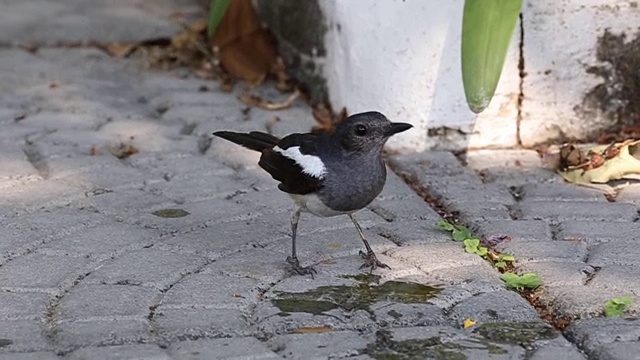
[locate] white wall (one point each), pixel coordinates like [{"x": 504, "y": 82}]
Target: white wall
[{"x": 403, "y": 59}]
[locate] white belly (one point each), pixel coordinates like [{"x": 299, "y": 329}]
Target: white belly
[{"x": 312, "y": 204}]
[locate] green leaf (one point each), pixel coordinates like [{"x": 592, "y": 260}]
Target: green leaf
[
  {"x": 461, "y": 233},
  {"x": 217, "y": 9},
  {"x": 487, "y": 28},
  {"x": 506, "y": 257},
  {"x": 500, "y": 265},
  {"x": 531, "y": 281},
  {"x": 471, "y": 245},
  {"x": 445, "y": 225},
  {"x": 616, "y": 307},
  {"x": 482, "y": 251},
  {"x": 519, "y": 282}
]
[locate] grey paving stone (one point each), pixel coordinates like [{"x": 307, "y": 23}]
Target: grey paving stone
[
  {"x": 173, "y": 325},
  {"x": 619, "y": 253},
  {"x": 444, "y": 341},
  {"x": 81, "y": 21},
  {"x": 25, "y": 233},
  {"x": 148, "y": 267},
  {"x": 477, "y": 212},
  {"x": 558, "y": 348},
  {"x": 43, "y": 273},
  {"x": 212, "y": 292},
  {"x": 41, "y": 355},
  {"x": 23, "y": 306},
  {"x": 630, "y": 194},
  {"x": 516, "y": 230},
  {"x": 558, "y": 273},
  {"x": 596, "y": 232},
  {"x": 580, "y": 301},
  {"x": 618, "y": 351},
  {"x": 102, "y": 242},
  {"x": 237, "y": 348},
  {"x": 516, "y": 177},
  {"x": 122, "y": 352},
  {"x": 483, "y": 273},
  {"x": 34, "y": 196},
  {"x": 425, "y": 256},
  {"x": 573, "y": 251},
  {"x": 71, "y": 335},
  {"x": 408, "y": 233},
  {"x": 87, "y": 302},
  {"x": 428, "y": 162},
  {"x": 333, "y": 345},
  {"x": 561, "y": 192},
  {"x": 591, "y": 334},
  {"x": 572, "y": 211},
  {"x": 23, "y": 336},
  {"x": 398, "y": 315},
  {"x": 618, "y": 278},
  {"x": 489, "y": 158},
  {"x": 494, "y": 307},
  {"x": 260, "y": 264}
]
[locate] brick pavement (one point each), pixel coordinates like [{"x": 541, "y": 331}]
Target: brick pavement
[{"x": 91, "y": 267}]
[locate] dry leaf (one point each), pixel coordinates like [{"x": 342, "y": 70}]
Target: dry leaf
[
  {"x": 244, "y": 48},
  {"x": 313, "y": 330},
  {"x": 469, "y": 323},
  {"x": 120, "y": 49},
  {"x": 257, "y": 101}
]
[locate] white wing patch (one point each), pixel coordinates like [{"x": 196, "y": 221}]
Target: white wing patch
[{"x": 311, "y": 165}]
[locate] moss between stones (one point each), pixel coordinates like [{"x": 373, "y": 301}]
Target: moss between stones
[{"x": 358, "y": 297}]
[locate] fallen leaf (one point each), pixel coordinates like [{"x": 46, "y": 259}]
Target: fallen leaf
[
  {"x": 313, "y": 330},
  {"x": 469, "y": 323},
  {"x": 123, "y": 150},
  {"x": 245, "y": 50},
  {"x": 120, "y": 49},
  {"x": 254, "y": 100}
]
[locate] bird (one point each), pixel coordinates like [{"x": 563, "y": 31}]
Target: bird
[{"x": 327, "y": 174}]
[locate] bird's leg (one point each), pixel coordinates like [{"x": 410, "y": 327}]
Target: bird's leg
[
  {"x": 370, "y": 259},
  {"x": 293, "y": 259}
]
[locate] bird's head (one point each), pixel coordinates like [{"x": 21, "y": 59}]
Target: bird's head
[{"x": 368, "y": 131}]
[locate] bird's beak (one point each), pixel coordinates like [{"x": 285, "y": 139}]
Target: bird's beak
[{"x": 395, "y": 128}]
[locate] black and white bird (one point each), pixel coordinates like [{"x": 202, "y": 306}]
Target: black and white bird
[{"x": 327, "y": 174}]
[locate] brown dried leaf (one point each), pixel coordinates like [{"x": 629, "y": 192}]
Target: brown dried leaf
[
  {"x": 257, "y": 101},
  {"x": 244, "y": 49},
  {"x": 120, "y": 49}
]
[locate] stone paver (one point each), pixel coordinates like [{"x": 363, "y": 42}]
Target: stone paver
[{"x": 91, "y": 267}]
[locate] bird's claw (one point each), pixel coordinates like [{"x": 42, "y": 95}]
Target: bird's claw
[
  {"x": 299, "y": 270},
  {"x": 372, "y": 262}
]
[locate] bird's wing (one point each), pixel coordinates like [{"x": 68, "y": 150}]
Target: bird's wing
[{"x": 295, "y": 163}]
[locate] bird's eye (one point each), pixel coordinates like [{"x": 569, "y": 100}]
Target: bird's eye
[{"x": 361, "y": 130}]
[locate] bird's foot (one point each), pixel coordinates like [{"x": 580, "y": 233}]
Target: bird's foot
[
  {"x": 371, "y": 261},
  {"x": 299, "y": 270}
]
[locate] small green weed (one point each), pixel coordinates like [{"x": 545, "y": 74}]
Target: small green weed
[
  {"x": 616, "y": 307},
  {"x": 521, "y": 282}
]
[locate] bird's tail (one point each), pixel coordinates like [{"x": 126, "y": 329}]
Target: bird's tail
[{"x": 254, "y": 140}]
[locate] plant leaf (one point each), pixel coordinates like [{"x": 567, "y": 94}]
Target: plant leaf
[
  {"x": 482, "y": 251},
  {"x": 217, "y": 9},
  {"x": 500, "y": 265},
  {"x": 506, "y": 257},
  {"x": 460, "y": 233},
  {"x": 445, "y": 225},
  {"x": 487, "y": 28}
]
